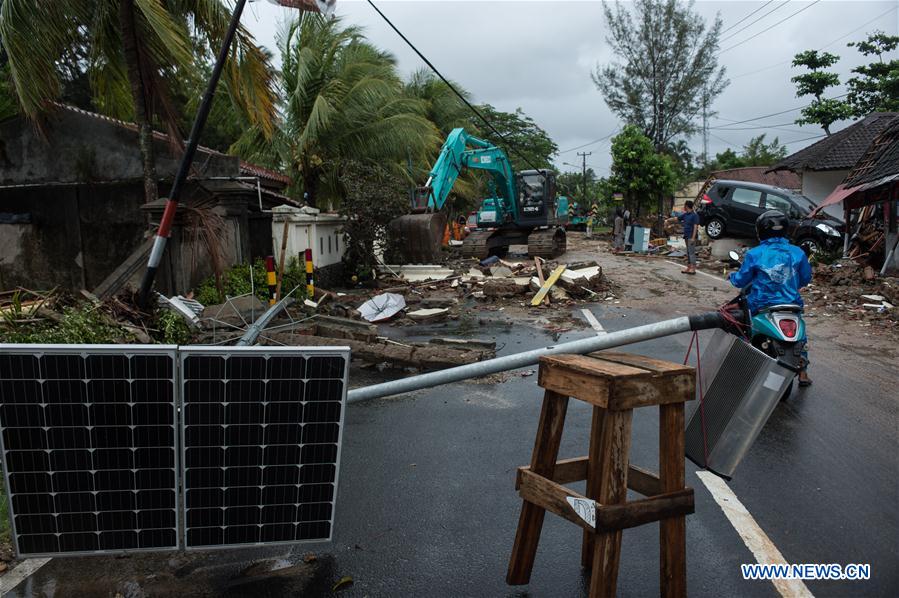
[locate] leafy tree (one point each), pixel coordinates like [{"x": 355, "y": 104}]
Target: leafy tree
[
  {"x": 373, "y": 196},
  {"x": 668, "y": 69},
  {"x": 523, "y": 137},
  {"x": 822, "y": 111},
  {"x": 876, "y": 88},
  {"x": 754, "y": 153},
  {"x": 638, "y": 171},
  {"x": 133, "y": 52},
  {"x": 344, "y": 100}
]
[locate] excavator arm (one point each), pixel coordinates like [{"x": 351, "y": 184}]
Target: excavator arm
[
  {"x": 456, "y": 155},
  {"x": 421, "y": 232}
]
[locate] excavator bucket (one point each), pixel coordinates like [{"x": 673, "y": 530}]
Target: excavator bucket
[{"x": 419, "y": 236}]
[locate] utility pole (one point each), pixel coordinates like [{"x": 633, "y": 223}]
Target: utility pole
[
  {"x": 705, "y": 125},
  {"x": 584, "y": 169}
]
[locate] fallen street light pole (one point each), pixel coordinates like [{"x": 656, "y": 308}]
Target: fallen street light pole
[
  {"x": 510, "y": 362},
  {"x": 171, "y": 206},
  {"x": 259, "y": 325}
]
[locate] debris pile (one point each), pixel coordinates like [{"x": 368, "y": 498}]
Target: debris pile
[{"x": 848, "y": 289}]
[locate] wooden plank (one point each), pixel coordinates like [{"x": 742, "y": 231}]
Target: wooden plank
[
  {"x": 583, "y": 364},
  {"x": 672, "y": 532},
  {"x": 613, "y": 386},
  {"x": 640, "y": 361},
  {"x": 594, "y": 475},
  {"x": 567, "y": 471},
  {"x": 551, "y": 496},
  {"x": 643, "y": 481},
  {"x": 543, "y": 461},
  {"x": 540, "y": 278},
  {"x": 553, "y": 277},
  {"x": 613, "y": 451},
  {"x": 647, "y": 510}
]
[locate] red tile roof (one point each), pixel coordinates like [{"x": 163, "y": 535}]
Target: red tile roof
[{"x": 784, "y": 179}]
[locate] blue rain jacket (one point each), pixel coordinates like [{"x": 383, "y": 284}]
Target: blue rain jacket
[{"x": 777, "y": 270}]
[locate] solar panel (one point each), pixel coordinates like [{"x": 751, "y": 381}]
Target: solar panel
[
  {"x": 261, "y": 433},
  {"x": 87, "y": 437}
]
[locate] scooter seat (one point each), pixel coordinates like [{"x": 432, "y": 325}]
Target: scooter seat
[{"x": 782, "y": 307}]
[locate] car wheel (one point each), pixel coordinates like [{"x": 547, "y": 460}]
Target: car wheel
[
  {"x": 715, "y": 228},
  {"x": 809, "y": 244}
]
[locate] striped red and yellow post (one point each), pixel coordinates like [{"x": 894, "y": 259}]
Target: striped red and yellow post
[
  {"x": 310, "y": 279},
  {"x": 270, "y": 279}
]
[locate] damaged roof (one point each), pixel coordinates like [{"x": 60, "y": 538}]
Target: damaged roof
[
  {"x": 880, "y": 162},
  {"x": 758, "y": 174},
  {"x": 841, "y": 150}
]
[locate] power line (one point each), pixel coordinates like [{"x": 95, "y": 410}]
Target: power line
[
  {"x": 747, "y": 16},
  {"x": 778, "y": 7},
  {"x": 804, "y": 8},
  {"x": 749, "y": 120},
  {"x": 453, "y": 88},
  {"x": 806, "y": 139},
  {"x": 827, "y": 45},
  {"x": 591, "y": 143}
]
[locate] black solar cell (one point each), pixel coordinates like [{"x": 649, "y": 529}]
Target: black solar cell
[
  {"x": 73, "y": 419},
  {"x": 257, "y": 468}
]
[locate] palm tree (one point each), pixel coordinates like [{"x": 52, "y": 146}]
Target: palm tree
[
  {"x": 344, "y": 100},
  {"x": 137, "y": 50}
]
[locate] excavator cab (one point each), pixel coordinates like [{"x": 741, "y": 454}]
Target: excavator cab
[{"x": 536, "y": 197}]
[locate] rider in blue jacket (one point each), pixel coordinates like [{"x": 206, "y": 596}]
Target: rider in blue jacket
[{"x": 777, "y": 270}]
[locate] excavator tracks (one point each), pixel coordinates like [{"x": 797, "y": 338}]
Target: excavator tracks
[
  {"x": 550, "y": 243},
  {"x": 476, "y": 244}
]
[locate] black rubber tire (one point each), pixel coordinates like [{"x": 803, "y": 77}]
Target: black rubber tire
[
  {"x": 809, "y": 244},
  {"x": 712, "y": 225},
  {"x": 788, "y": 391}
]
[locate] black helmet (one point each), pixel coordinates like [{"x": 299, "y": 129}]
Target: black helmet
[{"x": 771, "y": 224}]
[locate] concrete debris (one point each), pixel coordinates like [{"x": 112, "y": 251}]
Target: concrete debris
[
  {"x": 465, "y": 343},
  {"x": 500, "y": 272},
  {"x": 238, "y": 311},
  {"x": 506, "y": 287},
  {"x": 880, "y": 298},
  {"x": 417, "y": 272},
  {"x": 428, "y": 315}
]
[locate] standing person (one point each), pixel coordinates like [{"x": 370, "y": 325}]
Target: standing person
[
  {"x": 691, "y": 233},
  {"x": 618, "y": 231}
]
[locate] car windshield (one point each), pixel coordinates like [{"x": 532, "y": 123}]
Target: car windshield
[{"x": 804, "y": 203}]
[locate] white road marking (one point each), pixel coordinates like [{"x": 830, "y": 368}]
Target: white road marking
[
  {"x": 21, "y": 572},
  {"x": 594, "y": 323},
  {"x": 756, "y": 540},
  {"x": 699, "y": 272}
]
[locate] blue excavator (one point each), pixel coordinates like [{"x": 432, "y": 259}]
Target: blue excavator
[{"x": 520, "y": 211}]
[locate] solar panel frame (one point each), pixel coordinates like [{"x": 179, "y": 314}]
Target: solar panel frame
[
  {"x": 85, "y": 351},
  {"x": 267, "y": 351}
]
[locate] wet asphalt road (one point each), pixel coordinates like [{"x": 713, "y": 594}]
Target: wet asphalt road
[{"x": 427, "y": 506}]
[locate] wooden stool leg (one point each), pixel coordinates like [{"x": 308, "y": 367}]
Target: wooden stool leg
[
  {"x": 613, "y": 458},
  {"x": 543, "y": 462},
  {"x": 594, "y": 474},
  {"x": 673, "y": 531}
]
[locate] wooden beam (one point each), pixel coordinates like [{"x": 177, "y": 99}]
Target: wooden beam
[
  {"x": 613, "y": 451},
  {"x": 673, "y": 531},
  {"x": 543, "y": 462},
  {"x": 647, "y": 510},
  {"x": 639, "y": 480},
  {"x": 553, "y": 277},
  {"x": 552, "y": 497}
]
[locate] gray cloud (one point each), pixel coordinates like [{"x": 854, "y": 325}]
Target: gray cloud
[{"x": 538, "y": 55}]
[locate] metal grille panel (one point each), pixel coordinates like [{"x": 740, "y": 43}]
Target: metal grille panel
[
  {"x": 261, "y": 439},
  {"x": 87, "y": 436}
]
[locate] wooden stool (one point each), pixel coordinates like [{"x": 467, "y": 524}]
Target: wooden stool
[{"x": 614, "y": 383}]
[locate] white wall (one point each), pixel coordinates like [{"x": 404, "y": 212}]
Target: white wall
[
  {"x": 816, "y": 185},
  {"x": 324, "y": 238}
]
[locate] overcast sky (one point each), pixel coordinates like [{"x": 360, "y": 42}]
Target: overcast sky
[{"x": 538, "y": 55}]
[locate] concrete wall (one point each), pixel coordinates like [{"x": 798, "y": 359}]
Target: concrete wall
[
  {"x": 816, "y": 185},
  {"x": 76, "y": 237},
  {"x": 323, "y": 233},
  {"x": 74, "y": 147}
]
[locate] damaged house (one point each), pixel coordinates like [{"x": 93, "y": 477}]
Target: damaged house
[{"x": 73, "y": 215}]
